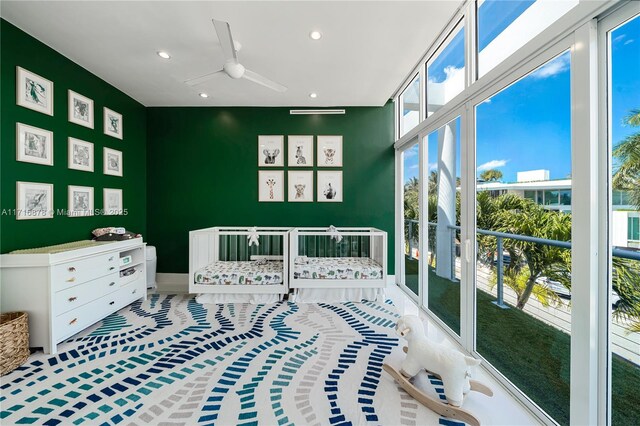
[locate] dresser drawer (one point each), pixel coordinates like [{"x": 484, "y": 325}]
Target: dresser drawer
[
  {"x": 79, "y": 295},
  {"x": 75, "y": 320},
  {"x": 77, "y": 272}
]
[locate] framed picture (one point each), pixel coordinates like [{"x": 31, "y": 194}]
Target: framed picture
[
  {"x": 270, "y": 185},
  {"x": 329, "y": 151},
  {"x": 271, "y": 151},
  {"x": 34, "y": 145},
  {"x": 34, "y": 200},
  {"x": 34, "y": 92},
  {"x": 300, "y": 186},
  {"x": 80, "y": 201},
  {"x": 330, "y": 186},
  {"x": 300, "y": 149},
  {"x": 80, "y": 155},
  {"x": 112, "y": 123},
  {"x": 112, "y": 162},
  {"x": 80, "y": 109},
  {"x": 112, "y": 201}
]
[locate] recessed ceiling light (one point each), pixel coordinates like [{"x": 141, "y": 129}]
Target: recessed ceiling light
[
  {"x": 313, "y": 95},
  {"x": 163, "y": 54},
  {"x": 315, "y": 35},
  {"x": 203, "y": 95}
]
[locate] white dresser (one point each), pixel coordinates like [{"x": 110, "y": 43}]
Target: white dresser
[{"x": 66, "y": 292}]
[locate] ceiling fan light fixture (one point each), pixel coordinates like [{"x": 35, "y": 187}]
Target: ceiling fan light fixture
[
  {"x": 163, "y": 54},
  {"x": 315, "y": 35},
  {"x": 203, "y": 95}
]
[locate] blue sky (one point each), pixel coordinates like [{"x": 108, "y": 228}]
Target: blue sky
[{"x": 527, "y": 126}]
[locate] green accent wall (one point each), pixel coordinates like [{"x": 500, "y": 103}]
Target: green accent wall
[
  {"x": 202, "y": 168},
  {"x": 20, "y": 49}
]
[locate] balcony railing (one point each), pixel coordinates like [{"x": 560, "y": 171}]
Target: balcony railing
[{"x": 500, "y": 236}]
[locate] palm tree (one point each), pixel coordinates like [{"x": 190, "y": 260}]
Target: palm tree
[
  {"x": 491, "y": 175},
  {"x": 627, "y": 175}
]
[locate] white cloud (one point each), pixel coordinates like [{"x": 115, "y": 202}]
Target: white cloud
[
  {"x": 433, "y": 166},
  {"x": 493, "y": 164},
  {"x": 618, "y": 38},
  {"x": 629, "y": 42},
  {"x": 413, "y": 166},
  {"x": 552, "y": 68}
]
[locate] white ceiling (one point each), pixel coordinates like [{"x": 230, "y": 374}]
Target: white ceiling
[{"x": 366, "y": 50}]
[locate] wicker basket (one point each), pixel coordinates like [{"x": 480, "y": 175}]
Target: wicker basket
[{"x": 14, "y": 341}]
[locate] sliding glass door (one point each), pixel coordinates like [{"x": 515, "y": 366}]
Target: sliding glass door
[{"x": 410, "y": 181}]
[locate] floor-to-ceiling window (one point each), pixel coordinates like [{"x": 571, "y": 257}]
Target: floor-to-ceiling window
[
  {"x": 443, "y": 220},
  {"x": 410, "y": 106},
  {"x": 623, "y": 54},
  {"x": 523, "y": 267},
  {"x": 411, "y": 208},
  {"x": 446, "y": 72}
]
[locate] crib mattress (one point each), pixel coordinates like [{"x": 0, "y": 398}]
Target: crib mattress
[
  {"x": 338, "y": 268},
  {"x": 240, "y": 273}
]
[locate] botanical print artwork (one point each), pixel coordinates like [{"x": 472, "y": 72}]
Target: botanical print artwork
[
  {"x": 270, "y": 186},
  {"x": 34, "y": 145},
  {"x": 300, "y": 186},
  {"x": 80, "y": 109},
  {"x": 270, "y": 151},
  {"x": 112, "y": 123},
  {"x": 330, "y": 186},
  {"x": 80, "y": 201},
  {"x": 300, "y": 151},
  {"x": 34, "y": 91},
  {"x": 35, "y": 200},
  {"x": 112, "y": 162},
  {"x": 329, "y": 151},
  {"x": 80, "y": 155}
]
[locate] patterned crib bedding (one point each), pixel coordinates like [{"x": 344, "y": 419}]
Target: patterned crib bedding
[
  {"x": 339, "y": 268},
  {"x": 240, "y": 273}
]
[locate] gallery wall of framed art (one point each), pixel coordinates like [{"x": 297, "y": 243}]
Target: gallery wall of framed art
[{"x": 60, "y": 140}]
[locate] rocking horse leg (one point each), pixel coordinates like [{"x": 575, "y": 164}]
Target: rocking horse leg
[{"x": 431, "y": 403}]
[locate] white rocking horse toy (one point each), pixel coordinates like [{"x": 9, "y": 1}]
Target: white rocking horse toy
[{"x": 450, "y": 365}]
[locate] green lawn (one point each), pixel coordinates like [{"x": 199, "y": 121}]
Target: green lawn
[{"x": 530, "y": 353}]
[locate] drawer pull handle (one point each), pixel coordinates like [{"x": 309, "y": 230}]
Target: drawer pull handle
[
  {"x": 72, "y": 269},
  {"x": 73, "y": 299},
  {"x": 111, "y": 303},
  {"x": 112, "y": 283},
  {"x": 73, "y": 321},
  {"x": 112, "y": 268},
  {"x": 70, "y": 280}
]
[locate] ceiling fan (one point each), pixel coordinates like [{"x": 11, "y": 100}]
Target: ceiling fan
[{"x": 232, "y": 67}]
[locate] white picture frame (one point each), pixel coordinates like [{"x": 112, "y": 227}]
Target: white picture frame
[
  {"x": 270, "y": 186},
  {"x": 112, "y": 202},
  {"x": 33, "y": 91},
  {"x": 80, "y": 109},
  {"x": 330, "y": 186},
  {"x": 329, "y": 151},
  {"x": 112, "y": 160},
  {"x": 300, "y": 151},
  {"x": 113, "y": 125},
  {"x": 80, "y": 155},
  {"x": 300, "y": 184},
  {"x": 80, "y": 201},
  {"x": 270, "y": 151},
  {"x": 34, "y": 200},
  {"x": 34, "y": 145}
]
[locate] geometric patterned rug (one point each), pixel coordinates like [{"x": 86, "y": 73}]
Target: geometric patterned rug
[{"x": 170, "y": 360}]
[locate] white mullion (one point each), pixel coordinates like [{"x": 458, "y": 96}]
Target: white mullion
[
  {"x": 423, "y": 294},
  {"x": 468, "y": 223},
  {"x": 399, "y": 240},
  {"x": 470, "y": 43},
  {"x": 585, "y": 228}
]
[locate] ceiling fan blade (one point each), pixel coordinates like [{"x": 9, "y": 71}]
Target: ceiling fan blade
[
  {"x": 202, "y": 79},
  {"x": 257, "y": 78},
  {"x": 226, "y": 40}
]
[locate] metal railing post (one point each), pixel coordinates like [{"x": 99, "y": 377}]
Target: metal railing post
[
  {"x": 500, "y": 276},
  {"x": 453, "y": 253}
]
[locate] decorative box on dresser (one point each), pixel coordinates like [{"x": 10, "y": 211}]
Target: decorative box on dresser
[{"x": 66, "y": 292}]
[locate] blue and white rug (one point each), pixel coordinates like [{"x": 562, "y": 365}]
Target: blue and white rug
[{"x": 170, "y": 360}]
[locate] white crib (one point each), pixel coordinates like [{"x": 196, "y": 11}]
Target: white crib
[
  {"x": 224, "y": 268},
  {"x": 324, "y": 270}
]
